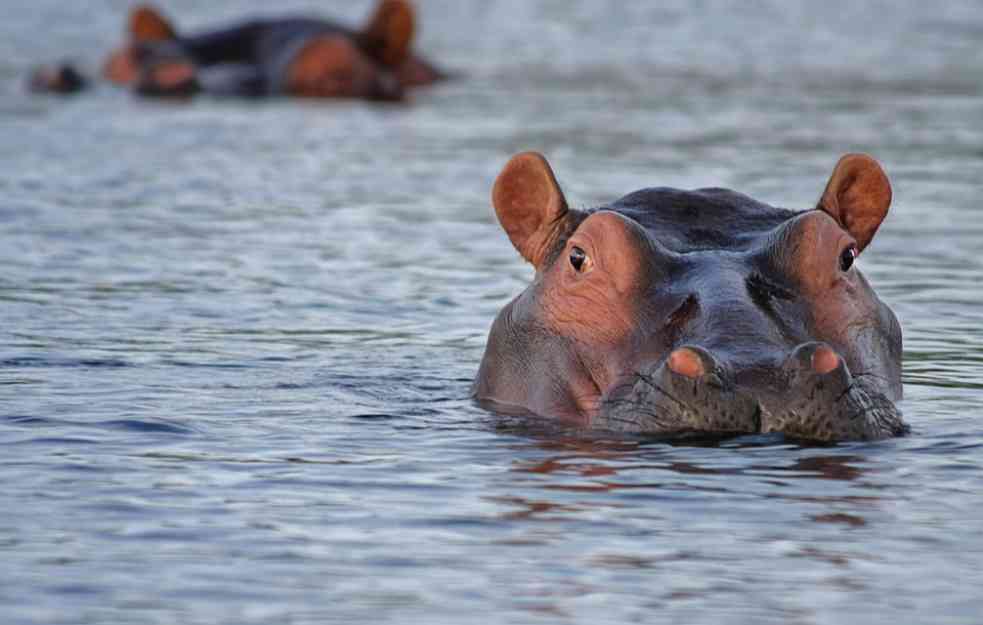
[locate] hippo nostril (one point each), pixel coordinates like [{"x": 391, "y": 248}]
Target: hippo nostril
[
  {"x": 824, "y": 360},
  {"x": 816, "y": 361},
  {"x": 696, "y": 363},
  {"x": 686, "y": 362}
]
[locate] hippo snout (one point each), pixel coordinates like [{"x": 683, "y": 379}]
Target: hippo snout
[
  {"x": 689, "y": 392},
  {"x": 810, "y": 395}
]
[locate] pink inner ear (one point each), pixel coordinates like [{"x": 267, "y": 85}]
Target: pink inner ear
[
  {"x": 858, "y": 196},
  {"x": 529, "y": 204}
]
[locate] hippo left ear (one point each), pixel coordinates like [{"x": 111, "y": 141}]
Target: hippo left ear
[
  {"x": 857, "y": 196},
  {"x": 531, "y": 207}
]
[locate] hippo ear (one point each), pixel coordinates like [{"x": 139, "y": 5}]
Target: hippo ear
[
  {"x": 148, "y": 25},
  {"x": 388, "y": 35},
  {"x": 530, "y": 206},
  {"x": 857, "y": 195}
]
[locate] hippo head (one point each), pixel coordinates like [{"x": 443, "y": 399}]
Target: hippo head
[
  {"x": 697, "y": 312},
  {"x": 366, "y": 63}
]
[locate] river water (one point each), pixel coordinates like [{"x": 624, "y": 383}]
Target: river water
[{"x": 237, "y": 338}]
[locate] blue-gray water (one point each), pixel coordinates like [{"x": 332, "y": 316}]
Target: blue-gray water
[{"x": 236, "y": 338}]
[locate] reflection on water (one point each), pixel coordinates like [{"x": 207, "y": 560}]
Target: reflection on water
[
  {"x": 647, "y": 487},
  {"x": 237, "y": 337}
]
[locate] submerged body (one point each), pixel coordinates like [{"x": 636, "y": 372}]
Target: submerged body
[
  {"x": 681, "y": 312},
  {"x": 296, "y": 55}
]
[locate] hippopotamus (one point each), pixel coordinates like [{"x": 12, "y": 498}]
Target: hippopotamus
[
  {"x": 297, "y": 56},
  {"x": 696, "y": 313}
]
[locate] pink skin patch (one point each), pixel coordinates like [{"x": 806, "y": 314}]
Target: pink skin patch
[
  {"x": 686, "y": 362},
  {"x": 330, "y": 67},
  {"x": 170, "y": 75},
  {"x": 824, "y": 360},
  {"x": 121, "y": 67}
]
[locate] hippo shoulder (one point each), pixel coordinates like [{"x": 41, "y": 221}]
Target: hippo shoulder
[{"x": 692, "y": 220}]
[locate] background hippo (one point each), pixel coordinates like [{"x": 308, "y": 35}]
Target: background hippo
[
  {"x": 295, "y": 55},
  {"x": 678, "y": 312}
]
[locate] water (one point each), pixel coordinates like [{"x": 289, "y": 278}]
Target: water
[{"x": 237, "y": 338}]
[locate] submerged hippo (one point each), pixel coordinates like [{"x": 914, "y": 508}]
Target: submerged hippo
[
  {"x": 299, "y": 56},
  {"x": 687, "y": 312}
]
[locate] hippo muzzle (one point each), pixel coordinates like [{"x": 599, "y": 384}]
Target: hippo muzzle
[{"x": 811, "y": 395}]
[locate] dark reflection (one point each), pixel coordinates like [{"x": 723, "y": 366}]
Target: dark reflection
[
  {"x": 593, "y": 464},
  {"x": 828, "y": 467},
  {"x": 850, "y": 520},
  {"x": 528, "y": 509}
]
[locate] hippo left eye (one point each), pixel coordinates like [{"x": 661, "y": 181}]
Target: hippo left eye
[
  {"x": 847, "y": 257},
  {"x": 579, "y": 260}
]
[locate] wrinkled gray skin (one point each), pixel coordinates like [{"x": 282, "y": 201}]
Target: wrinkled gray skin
[{"x": 698, "y": 312}]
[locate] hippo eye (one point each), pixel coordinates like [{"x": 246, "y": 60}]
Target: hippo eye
[
  {"x": 578, "y": 258},
  {"x": 847, "y": 257}
]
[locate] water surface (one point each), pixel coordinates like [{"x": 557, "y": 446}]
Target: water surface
[{"x": 237, "y": 337}]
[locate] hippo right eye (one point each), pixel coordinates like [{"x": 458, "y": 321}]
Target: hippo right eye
[
  {"x": 847, "y": 257},
  {"x": 578, "y": 258}
]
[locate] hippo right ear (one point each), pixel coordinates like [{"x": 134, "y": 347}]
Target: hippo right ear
[
  {"x": 857, "y": 195},
  {"x": 147, "y": 25},
  {"x": 530, "y": 206},
  {"x": 388, "y": 35}
]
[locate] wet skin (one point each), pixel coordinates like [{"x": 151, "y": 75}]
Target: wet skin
[{"x": 697, "y": 312}]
